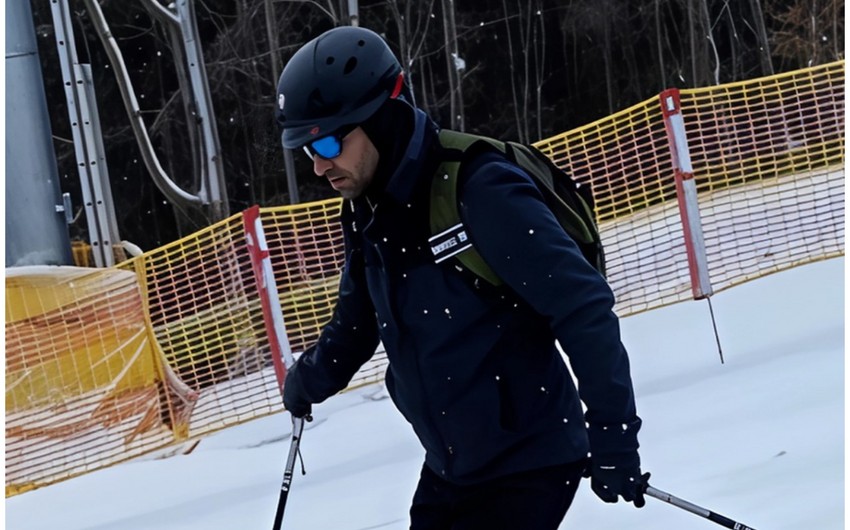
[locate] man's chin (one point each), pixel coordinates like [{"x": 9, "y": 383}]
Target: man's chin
[{"x": 348, "y": 194}]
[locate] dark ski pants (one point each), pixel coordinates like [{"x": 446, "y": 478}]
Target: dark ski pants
[{"x": 534, "y": 500}]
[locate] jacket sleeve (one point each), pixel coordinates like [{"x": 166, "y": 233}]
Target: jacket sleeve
[
  {"x": 346, "y": 342},
  {"x": 520, "y": 239}
]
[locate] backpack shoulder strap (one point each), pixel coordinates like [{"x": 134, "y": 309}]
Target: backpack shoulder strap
[
  {"x": 571, "y": 203},
  {"x": 448, "y": 235}
]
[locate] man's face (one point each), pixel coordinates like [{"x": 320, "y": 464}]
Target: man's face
[{"x": 352, "y": 171}]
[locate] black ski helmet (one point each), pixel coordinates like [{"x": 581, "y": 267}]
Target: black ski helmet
[{"x": 339, "y": 78}]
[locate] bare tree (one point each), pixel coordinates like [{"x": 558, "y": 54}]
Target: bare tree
[
  {"x": 454, "y": 65},
  {"x": 512, "y": 65},
  {"x": 809, "y": 32},
  {"x": 539, "y": 46},
  {"x": 659, "y": 42},
  {"x": 761, "y": 33},
  {"x": 271, "y": 35},
  {"x": 412, "y": 27},
  {"x": 702, "y": 46}
]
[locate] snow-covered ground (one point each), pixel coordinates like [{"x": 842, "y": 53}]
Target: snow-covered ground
[{"x": 759, "y": 439}]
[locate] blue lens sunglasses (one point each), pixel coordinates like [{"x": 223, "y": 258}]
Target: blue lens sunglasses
[{"x": 329, "y": 146}]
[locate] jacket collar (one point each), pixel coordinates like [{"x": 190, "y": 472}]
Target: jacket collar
[{"x": 419, "y": 159}]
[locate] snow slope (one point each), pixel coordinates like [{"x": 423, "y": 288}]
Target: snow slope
[{"x": 759, "y": 439}]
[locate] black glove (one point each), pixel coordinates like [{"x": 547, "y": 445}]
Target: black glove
[
  {"x": 615, "y": 463},
  {"x": 610, "y": 481},
  {"x": 295, "y": 398}
]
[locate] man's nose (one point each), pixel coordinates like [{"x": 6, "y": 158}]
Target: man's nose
[{"x": 321, "y": 165}]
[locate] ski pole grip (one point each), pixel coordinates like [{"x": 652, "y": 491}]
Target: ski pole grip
[{"x": 696, "y": 510}]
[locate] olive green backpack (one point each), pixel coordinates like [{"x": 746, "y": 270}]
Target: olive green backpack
[{"x": 571, "y": 202}]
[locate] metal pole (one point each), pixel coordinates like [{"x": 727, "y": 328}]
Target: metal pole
[
  {"x": 213, "y": 186},
  {"x": 83, "y": 132},
  {"x": 353, "y": 15},
  {"x": 180, "y": 198},
  {"x": 696, "y": 510},
  {"x": 111, "y": 221},
  {"x": 36, "y": 229},
  {"x": 291, "y": 181}
]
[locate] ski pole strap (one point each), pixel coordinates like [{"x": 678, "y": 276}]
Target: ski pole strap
[{"x": 696, "y": 510}]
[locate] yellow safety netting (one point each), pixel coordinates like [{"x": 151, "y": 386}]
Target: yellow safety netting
[
  {"x": 625, "y": 159},
  {"x": 106, "y": 365},
  {"x": 768, "y": 159}
]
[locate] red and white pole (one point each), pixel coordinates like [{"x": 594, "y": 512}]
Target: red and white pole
[
  {"x": 686, "y": 191},
  {"x": 264, "y": 276},
  {"x": 279, "y": 342}
]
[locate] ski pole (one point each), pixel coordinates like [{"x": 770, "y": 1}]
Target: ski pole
[
  {"x": 297, "y": 429},
  {"x": 697, "y": 510}
]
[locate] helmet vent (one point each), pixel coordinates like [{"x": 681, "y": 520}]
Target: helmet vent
[
  {"x": 361, "y": 43},
  {"x": 350, "y": 65},
  {"x": 330, "y": 60}
]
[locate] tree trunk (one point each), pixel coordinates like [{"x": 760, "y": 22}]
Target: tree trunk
[
  {"x": 712, "y": 46},
  {"x": 606, "y": 59},
  {"x": 512, "y": 70},
  {"x": 761, "y": 33},
  {"x": 271, "y": 36},
  {"x": 525, "y": 42},
  {"x": 455, "y": 88},
  {"x": 662, "y": 71},
  {"x": 539, "y": 66}
]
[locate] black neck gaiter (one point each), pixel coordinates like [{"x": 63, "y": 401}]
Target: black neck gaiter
[{"x": 390, "y": 129}]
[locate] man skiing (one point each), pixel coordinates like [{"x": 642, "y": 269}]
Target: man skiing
[{"x": 474, "y": 368}]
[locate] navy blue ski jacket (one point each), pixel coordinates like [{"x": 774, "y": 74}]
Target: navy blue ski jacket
[{"x": 475, "y": 369}]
